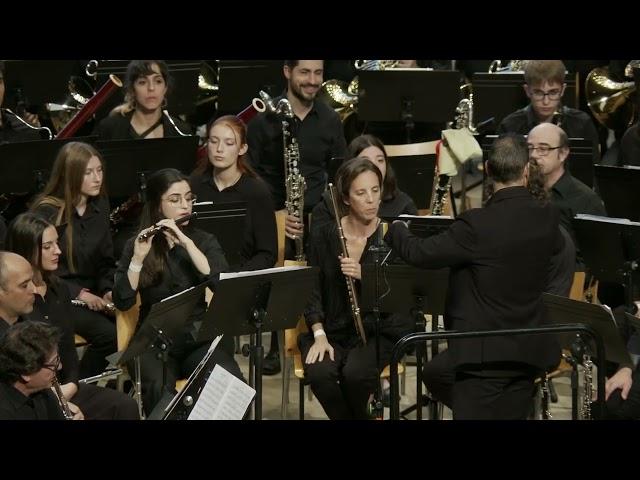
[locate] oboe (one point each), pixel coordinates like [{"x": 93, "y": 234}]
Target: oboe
[
  {"x": 157, "y": 228},
  {"x": 353, "y": 299}
]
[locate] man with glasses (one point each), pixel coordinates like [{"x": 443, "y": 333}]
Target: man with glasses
[
  {"x": 549, "y": 148},
  {"x": 544, "y": 86}
]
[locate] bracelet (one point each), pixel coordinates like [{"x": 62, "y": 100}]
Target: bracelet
[
  {"x": 318, "y": 333},
  {"x": 135, "y": 267}
]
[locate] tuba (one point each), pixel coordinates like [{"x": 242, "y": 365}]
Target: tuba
[
  {"x": 512, "y": 66},
  {"x": 609, "y": 100}
]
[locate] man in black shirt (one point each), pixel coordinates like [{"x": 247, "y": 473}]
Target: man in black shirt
[
  {"x": 549, "y": 148},
  {"x": 320, "y": 137},
  {"x": 28, "y": 364},
  {"x": 544, "y": 85}
]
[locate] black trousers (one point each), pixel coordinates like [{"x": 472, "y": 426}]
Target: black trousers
[
  {"x": 480, "y": 395},
  {"x": 184, "y": 356},
  {"x": 99, "y": 403},
  {"x": 343, "y": 386},
  {"x": 100, "y": 331}
]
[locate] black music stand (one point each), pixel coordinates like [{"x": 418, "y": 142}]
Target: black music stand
[
  {"x": 227, "y": 222},
  {"x": 125, "y": 160},
  {"x": 620, "y": 190},
  {"x": 37, "y": 81},
  {"x": 562, "y": 310},
  {"x": 181, "y": 99},
  {"x": 415, "y": 173},
  {"x": 499, "y": 94},
  {"x": 241, "y": 80},
  {"x": 411, "y": 291},
  {"x": 250, "y": 303},
  {"x": 165, "y": 321},
  {"x": 27, "y": 166},
  {"x": 408, "y": 96}
]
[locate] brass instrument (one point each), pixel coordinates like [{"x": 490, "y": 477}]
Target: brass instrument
[
  {"x": 353, "y": 298},
  {"x": 62, "y": 402},
  {"x": 294, "y": 180},
  {"x": 609, "y": 100},
  {"x": 512, "y": 66}
]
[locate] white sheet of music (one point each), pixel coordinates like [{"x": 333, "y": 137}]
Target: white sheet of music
[{"x": 223, "y": 397}]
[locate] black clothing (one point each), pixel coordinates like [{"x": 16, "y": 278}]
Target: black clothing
[
  {"x": 41, "y": 405},
  {"x": 118, "y": 127},
  {"x": 179, "y": 274},
  {"x": 354, "y": 365},
  {"x": 320, "y": 138},
  {"x": 13, "y": 130},
  {"x": 260, "y": 245},
  {"x": 3, "y": 232},
  {"x": 500, "y": 259},
  {"x": 570, "y": 196},
  {"x": 630, "y": 146},
  {"x": 575, "y": 123},
  {"x": 92, "y": 247},
  {"x": 563, "y": 265},
  {"x": 399, "y": 204}
]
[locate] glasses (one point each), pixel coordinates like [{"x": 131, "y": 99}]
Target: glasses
[
  {"x": 53, "y": 366},
  {"x": 543, "y": 150},
  {"x": 176, "y": 198},
  {"x": 552, "y": 94}
]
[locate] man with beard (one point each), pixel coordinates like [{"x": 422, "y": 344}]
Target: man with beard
[{"x": 320, "y": 137}]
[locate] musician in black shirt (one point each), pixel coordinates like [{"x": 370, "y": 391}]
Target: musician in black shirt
[
  {"x": 166, "y": 263},
  {"x": 227, "y": 178},
  {"x": 74, "y": 200}
]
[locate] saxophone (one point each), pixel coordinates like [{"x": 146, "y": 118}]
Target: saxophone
[
  {"x": 294, "y": 181},
  {"x": 64, "y": 406},
  {"x": 353, "y": 299}
]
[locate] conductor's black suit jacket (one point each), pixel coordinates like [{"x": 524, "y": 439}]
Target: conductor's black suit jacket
[{"x": 500, "y": 263}]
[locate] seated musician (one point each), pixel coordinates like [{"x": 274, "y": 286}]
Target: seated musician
[
  {"x": 75, "y": 201},
  {"x": 165, "y": 263},
  {"x": 341, "y": 370}
]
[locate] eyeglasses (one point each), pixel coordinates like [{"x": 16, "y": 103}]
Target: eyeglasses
[
  {"x": 543, "y": 150},
  {"x": 53, "y": 366},
  {"x": 554, "y": 94},
  {"x": 177, "y": 199}
]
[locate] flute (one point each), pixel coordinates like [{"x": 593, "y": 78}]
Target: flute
[{"x": 157, "y": 228}]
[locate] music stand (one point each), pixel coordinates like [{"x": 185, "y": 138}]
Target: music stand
[
  {"x": 165, "y": 320},
  {"x": 181, "y": 100},
  {"x": 412, "y": 291},
  {"x": 27, "y": 166},
  {"x": 241, "y": 80},
  {"x": 24, "y": 78},
  {"x": 415, "y": 173},
  {"x": 126, "y": 160},
  {"x": 227, "y": 222},
  {"x": 500, "y": 94},
  {"x": 620, "y": 190},
  {"x": 562, "y": 310},
  {"x": 250, "y": 303},
  {"x": 408, "y": 96}
]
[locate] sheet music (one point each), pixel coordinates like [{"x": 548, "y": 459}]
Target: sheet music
[
  {"x": 176, "y": 294},
  {"x": 224, "y": 397},
  {"x": 225, "y": 275}
]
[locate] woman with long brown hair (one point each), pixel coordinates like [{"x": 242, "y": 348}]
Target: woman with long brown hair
[{"x": 75, "y": 201}]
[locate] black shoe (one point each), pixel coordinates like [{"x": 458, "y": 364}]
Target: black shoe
[{"x": 271, "y": 363}]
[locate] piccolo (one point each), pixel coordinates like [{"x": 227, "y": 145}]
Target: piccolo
[{"x": 157, "y": 228}]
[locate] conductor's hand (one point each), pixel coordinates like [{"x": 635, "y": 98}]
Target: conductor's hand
[
  {"x": 293, "y": 227},
  {"x": 351, "y": 267},
  {"x": 318, "y": 349},
  {"x": 622, "y": 380}
]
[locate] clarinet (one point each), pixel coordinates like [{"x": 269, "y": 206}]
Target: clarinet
[
  {"x": 353, "y": 299},
  {"x": 64, "y": 406}
]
